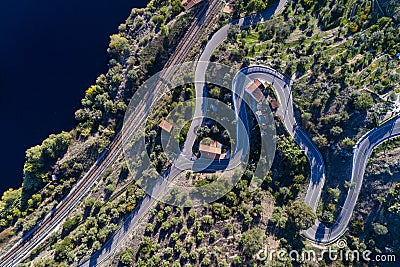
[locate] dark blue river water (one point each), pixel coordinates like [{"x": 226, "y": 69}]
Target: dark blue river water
[{"x": 51, "y": 52}]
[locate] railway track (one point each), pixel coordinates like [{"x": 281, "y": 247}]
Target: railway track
[{"x": 53, "y": 220}]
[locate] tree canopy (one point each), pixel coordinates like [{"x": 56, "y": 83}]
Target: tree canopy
[
  {"x": 256, "y": 6},
  {"x": 252, "y": 241},
  {"x": 40, "y": 158},
  {"x": 301, "y": 215}
]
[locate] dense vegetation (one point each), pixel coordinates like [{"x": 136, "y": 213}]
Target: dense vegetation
[
  {"x": 137, "y": 51},
  {"x": 342, "y": 57}
]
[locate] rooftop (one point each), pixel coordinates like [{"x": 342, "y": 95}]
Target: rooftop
[
  {"x": 211, "y": 150},
  {"x": 166, "y": 126},
  {"x": 274, "y": 104},
  {"x": 255, "y": 90},
  {"x": 228, "y": 9},
  {"x": 188, "y": 4}
]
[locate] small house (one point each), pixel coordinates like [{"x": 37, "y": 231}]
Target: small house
[
  {"x": 212, "y": 151},
  {"x": 188, "y": 4},
  {"x": 228, "y": 9},
  {"x": 255, "y": 90},
  {"x": 166, "y": 126}
]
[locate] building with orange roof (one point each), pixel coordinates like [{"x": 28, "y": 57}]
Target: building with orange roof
[
  {"x": 255, "y": 90},
  {"x": 212, "y": 151},
  {"x": 188, "y": 4},
  {"x": 228, "y": 9},
  {"x": 166, "y": 126}
]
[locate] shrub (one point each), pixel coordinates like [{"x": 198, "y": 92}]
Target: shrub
[
  {"x": 126, "y": 257},
  {"x": 252, "y": 241},
  {"x": 380, "y": 229}
]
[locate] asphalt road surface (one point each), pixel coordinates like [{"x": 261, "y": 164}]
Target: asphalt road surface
[
  {"x": 183, "y": 161},
  {"x": 318, "y": 233},
  {"x": 54, "y": 219},
  {"x": 362, "y": 151}
]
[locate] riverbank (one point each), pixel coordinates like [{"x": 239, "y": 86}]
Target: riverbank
[{"x": 52, "y": 52}]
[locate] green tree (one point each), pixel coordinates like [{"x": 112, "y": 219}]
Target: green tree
[
  {"x": 126, "y": 257},
  {"x": 145, "y": 248},
  {"x": 327, "y": 217},
  {"x": 256, "y": 6},
  {"x": 206, "y": 262},
  {"x": 118, "y": 43},
  {"x": 176, "y": 7},
  {"x": 233, "y": 31},
  {"x": 380, "y": 229},
  {"x": 62, "y": 249},
  {"x": 279, "y": 217},
  {"x": 357, "y": 226},
  {"x": 71, "y": 223},
  {"x": 353, "y": 27},
  {"x": 336, "y": 130},
  {"x": 208, "y": 220},
  {"x": 10, "y": 206},
  {"x": 348, "y": 143},
  {"x": 41, "y": 158},
  {"x": 110, "y": 188},
  {"x": 393, "y": 96},
  {"x": 308, "y": 3},
  {"x": 301, "y": 215},
  {"x": 320, "y": 140},
  {"x": 158, "y": 19},
  {"x": 363, "y": 102},
  {"x": 334, "y": 193},
  {"x": 236, "y": 261}
]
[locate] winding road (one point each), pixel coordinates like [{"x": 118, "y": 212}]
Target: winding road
[
  {"x": 54, "y": 219},
  {"x": 183, "y": 161},
  {"x": 318, "y": 233},
  {"x": 361, "y": 153},
  {"x": 282, "y": 85}
]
